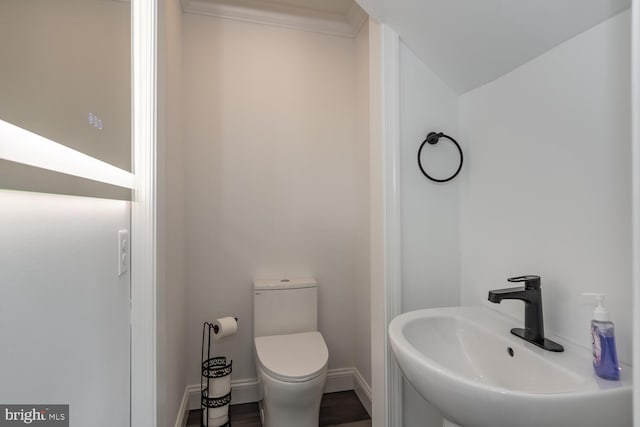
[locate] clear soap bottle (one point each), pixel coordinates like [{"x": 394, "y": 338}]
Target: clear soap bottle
[{"x": 605, "y": 357}]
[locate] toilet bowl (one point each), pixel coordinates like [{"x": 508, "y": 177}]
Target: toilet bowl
[
  {"x": 291, "y": 355},
  {"x": 292, "y": 372}
]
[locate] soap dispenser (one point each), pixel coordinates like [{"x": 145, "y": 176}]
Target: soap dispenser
[{"x": 605, "y": 358}]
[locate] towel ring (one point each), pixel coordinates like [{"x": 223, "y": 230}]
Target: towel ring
[{"x": 432, "y": 138}]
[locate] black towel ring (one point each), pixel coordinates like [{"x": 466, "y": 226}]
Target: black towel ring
[{"x": 432, "y": 138}]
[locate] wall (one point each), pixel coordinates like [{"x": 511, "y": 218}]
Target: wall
[
  {"x": 547, "y": 189},
  {"x": 171, "y": 275},
  {"x": 64, "y": 310},
  {"x": 430, "y": 211},
  {"x": 362, "y": 287},
  {"x": 272, "y": 186}
]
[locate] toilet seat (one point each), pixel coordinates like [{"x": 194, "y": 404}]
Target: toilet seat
[{"x": 293, "y": 357}]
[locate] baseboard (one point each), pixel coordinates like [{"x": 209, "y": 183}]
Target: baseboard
[
  {"x": 362, "y": 390},
  {"x": 193, "y": 402},
  {"x": 181, "y": 421},
  {"x": 242, "y": 391},
  {"x": 339, "y": 380},
  {"x": 246, "y": 390}
]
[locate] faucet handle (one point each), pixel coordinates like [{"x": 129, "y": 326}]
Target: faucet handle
[{"x": 530, "y": 281}]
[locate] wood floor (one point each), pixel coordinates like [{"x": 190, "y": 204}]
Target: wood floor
[{"x": 336, "y": 409}]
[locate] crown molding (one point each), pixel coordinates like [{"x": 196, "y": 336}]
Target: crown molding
[
  {"x": 280, "y": 15},
  {"x": 357, "y": 17}
]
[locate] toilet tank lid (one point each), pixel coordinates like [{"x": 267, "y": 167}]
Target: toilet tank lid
[{"x": 285, "y": 283}]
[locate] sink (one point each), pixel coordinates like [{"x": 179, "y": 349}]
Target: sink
[{"x": 464, "y": 361}]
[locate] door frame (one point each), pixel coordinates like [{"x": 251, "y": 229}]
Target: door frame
[
  {"x": 144, "y": 24},
  {"x": 386, "y": 273},
  {"x": 635, "y": 144}
]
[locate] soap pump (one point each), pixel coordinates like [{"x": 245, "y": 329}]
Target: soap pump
[{"x": 605, "y": 358}]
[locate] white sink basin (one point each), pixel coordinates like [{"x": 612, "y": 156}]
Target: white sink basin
[{"x": 460, "y": 359}]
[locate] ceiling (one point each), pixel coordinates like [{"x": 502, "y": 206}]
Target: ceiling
[{"x": 468, "y": 43}]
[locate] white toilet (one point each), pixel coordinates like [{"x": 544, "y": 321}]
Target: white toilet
[{"x": 291, "y": 355}]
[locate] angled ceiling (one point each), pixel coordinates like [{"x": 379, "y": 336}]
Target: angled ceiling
[{"x": 468, "y": 43}]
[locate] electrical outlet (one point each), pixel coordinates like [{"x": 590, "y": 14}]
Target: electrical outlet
[{"x": 123, "y": 252}]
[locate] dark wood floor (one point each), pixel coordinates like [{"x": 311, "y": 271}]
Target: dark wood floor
[{"x": 336, "y": 408}]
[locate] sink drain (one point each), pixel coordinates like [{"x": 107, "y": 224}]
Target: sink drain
[{"x": 510, "y": 351}]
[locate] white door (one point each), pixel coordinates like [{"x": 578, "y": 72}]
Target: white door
[{"x": 64, "y": 310}]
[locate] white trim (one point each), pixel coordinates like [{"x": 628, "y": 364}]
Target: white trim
[
  {"x": 243, "y": 391},
  {"x": 635, "y": 132},
  {"x": 392, "y": 218},
  {"x": 183, "y": 411},
  {"x": 362, "y": 390},
  {"x": 143, "y": 215},
  {"x": 23, "y": 146},
  {"x": 246, "y": 390},
  {"x": 339, "y": 380},
  {"x": 281, "y": 15},
  {"x": 193, "y": 391},
  {"x": 379, "y": 404},
  {"x": 356, "y": 17}
]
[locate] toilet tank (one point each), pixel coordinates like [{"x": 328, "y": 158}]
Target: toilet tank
[{"x": 285, "y": 306}]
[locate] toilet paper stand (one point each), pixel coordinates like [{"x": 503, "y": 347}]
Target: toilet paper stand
[{"x": 215, "y": 383}]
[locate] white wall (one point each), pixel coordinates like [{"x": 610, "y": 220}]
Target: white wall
[
  {"x": 362, "y": 287},
  {"x": 430, "y": 211},
  {"x": 548, "y": 185},
  {"x": 272, "y": 183},
  {"x": 64, "y": 312},
  {"x": 171, "y": 278}
]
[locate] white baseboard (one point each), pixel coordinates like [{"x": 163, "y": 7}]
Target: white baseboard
[
  {"x": 183, "y": 410},
  {"x": 339, "y": 380},
  {"x": 242, "y": 391},
  {"x": 246, "y": 391},
  {"x": 362, "y": 390}
]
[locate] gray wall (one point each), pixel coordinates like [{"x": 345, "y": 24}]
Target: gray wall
[
  {"x": 275, "y": 179},
  {"x": 430, "y": 211},
  {"x": 545, "y": 188},
  {"x": 549, "y": 185},
  {"x": 64, "y": 311},
  {"x": 172, "y": 288}
]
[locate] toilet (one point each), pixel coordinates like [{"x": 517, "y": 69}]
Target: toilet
[{"x": 290, "y": 354}]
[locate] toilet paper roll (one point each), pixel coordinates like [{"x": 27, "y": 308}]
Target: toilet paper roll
[
  {"x": 225, "y": 326},
  {"x": 217, "y": 418},
  {"x": 219, "y": 386}
]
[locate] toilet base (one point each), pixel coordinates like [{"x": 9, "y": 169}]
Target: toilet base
[
  {"x": 289, "y": 404},
  {"x": 261, "y": 412}
]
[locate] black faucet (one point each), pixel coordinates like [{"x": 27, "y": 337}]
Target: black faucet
[{"x": 531, "y": 294}]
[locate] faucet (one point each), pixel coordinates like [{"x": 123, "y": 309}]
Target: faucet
[{"x": 531, "y": 294}]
